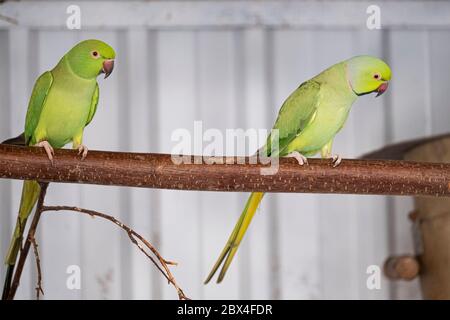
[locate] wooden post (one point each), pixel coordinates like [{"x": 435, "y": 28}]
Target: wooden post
[
  {"x": 432, "y": 216},
  {"x": 401, "y": 267}
]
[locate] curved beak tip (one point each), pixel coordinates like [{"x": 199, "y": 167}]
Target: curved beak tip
[
  {"x": 108, "y": 67},
  {"x": 382, "y": 89}
]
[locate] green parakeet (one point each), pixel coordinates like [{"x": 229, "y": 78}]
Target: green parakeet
[
  {"x": 62, "y": 104},
  {"x": 307, "y": 124}
]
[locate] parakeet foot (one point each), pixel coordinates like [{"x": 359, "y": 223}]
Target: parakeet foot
[
  {"x": 336, "y": 160},
  {"x": 83, "y": 150},
  {"x": 48, "y": 149},
  {"x": 302, "y": 160}
]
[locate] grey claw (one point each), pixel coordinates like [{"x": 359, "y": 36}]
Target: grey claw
[
  {"x": 48, "y": 149},
  {"x": 301, "y": 159},
  {"x": 83, "y": 150},
  {"x": 336, "y": 160}
]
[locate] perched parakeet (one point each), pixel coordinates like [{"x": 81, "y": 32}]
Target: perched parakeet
[
  {"x": 307, "y": 124},
  {"x": 62, "y": 104}
]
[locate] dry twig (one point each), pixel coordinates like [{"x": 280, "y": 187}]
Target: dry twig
[
  {"x": 9, "y": 19},
  {"x": 163, "y": 265},
  {"x": 39, "y": 289}
]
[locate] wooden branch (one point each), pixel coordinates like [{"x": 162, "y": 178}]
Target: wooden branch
[{"x": 159, "y": 171}]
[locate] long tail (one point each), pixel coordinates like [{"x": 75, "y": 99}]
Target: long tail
[
  {"x": 30, "y": 194},
  {"x": 19, "y": 140},
  {"x": 236, "y": 236}
]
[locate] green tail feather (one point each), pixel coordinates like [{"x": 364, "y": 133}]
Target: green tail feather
[
  {"x": 30, "y": 194},
  {"x": 7, "y": 283},
  {"x": 236, "y": 237}
]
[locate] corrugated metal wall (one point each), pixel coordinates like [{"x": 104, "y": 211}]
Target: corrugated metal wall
[{"x": 299, "y": 246}]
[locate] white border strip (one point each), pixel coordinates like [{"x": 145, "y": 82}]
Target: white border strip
[{"x": 175, "y": 14}]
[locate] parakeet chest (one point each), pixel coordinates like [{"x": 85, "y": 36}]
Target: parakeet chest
[
  {"x": 328, "y": 120},
  {"x": 66, "y": 110}
]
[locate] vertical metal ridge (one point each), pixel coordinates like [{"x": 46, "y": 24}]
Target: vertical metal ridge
[
  {"x": 427, "y": 76},
  {"x": 389, "y": 136},
  {"x": 155, "y": 198},
  {"x": 386, "y": 55},
  {"x": 199, "y": 202},
  {"x": 240, "y": 91},
  {"x": 273, "y": 242},
  {"x": 5, "y": 132},
  {"x": 124, "y": 144}
]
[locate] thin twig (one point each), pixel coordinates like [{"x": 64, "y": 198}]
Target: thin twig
[
  {"x": 39, "y": 289},
  {"x": 133, "y": 235},
  {"x": 9, "y": 19},
  {"x": 26, "y": 247}
]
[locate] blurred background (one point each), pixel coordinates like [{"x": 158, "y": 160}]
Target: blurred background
[{"x": 230, "y": 64}]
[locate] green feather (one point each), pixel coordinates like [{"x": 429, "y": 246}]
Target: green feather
[
  {"x": 94, "y": 104},
  {"x": 295, "y": 114},
  {"x": 36, "y": 104}
]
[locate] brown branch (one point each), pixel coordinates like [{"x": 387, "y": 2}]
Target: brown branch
[
  {"x": 39, "y": 289},
  {"x": 159, "y": 171},
  {"x": 26, "y": 247},
  {"x": 132, "y": 235}
]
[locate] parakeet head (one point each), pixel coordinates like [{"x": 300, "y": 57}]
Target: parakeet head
[
  {"x": 90, "y": 58},
  {"x": 368, "y": 74}
]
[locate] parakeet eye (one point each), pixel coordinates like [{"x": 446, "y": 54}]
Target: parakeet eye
[
  {"x": 376, "y": 76},
  {"x": 95, "y": 54}
]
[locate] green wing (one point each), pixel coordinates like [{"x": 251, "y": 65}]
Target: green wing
[
  {"x": 94, "y": 103},
  {"x": 36, "y": 104},
  {"x": 296, "y": 113}
]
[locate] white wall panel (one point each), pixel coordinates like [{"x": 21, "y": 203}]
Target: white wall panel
[
  {"x": 179, "y": 211},
  {"x": 299, "y": 246}
]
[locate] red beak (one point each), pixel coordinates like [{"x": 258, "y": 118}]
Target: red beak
[
  {"x": 108, "y": 66},
  {"x": 382, "y": 88}
]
